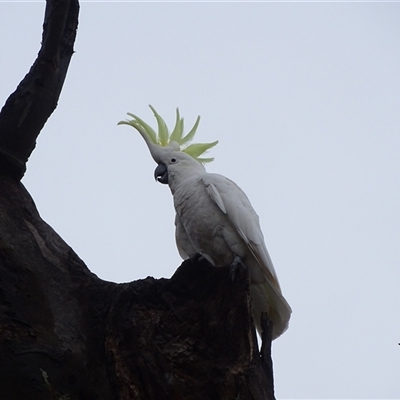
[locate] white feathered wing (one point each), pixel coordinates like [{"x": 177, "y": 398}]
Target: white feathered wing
[{"x": 240, "y": 215}]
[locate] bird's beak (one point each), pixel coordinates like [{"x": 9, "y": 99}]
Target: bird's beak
[{"x": 161, "y": 174}]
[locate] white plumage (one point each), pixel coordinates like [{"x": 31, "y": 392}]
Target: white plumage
[{"x": 215, "y": 218}]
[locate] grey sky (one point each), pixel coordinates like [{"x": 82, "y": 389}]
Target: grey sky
[{"x": 305, "y": 101}]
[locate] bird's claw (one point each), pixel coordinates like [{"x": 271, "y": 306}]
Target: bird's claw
[
  {"x": 235, "y": 267},
  {"x": 196, "y": 258}
]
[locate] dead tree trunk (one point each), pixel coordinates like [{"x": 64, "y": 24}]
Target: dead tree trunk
[{"x": 65, "y": 333}]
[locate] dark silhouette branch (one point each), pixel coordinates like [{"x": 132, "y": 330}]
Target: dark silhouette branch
[
  {"x": 65, "y": 333},
  {"x": 28, "y": 108},
  {"x": 63, "y": 330}
]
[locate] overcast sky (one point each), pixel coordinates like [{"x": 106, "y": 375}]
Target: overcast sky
[{"x": 304, "y": 99}]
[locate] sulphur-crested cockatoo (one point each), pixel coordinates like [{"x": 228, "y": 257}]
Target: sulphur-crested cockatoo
[{"x": 214, "y": 217}]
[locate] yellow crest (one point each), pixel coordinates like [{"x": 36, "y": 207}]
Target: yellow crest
[{"x": 163, "y": 138}]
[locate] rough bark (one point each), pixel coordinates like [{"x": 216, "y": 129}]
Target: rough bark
[
  {"x": 28, "y": 108},
  {"x": 65, "y": 333}
]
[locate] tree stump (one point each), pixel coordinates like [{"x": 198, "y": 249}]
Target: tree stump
[{"x": 65, "y": 333}]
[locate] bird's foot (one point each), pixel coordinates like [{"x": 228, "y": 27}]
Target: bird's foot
[
  {"x": 196, "y": 258},
  {"x": 235, "y": 267}
]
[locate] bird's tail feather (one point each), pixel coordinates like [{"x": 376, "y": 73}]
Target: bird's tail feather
[{"x": 265, "y": 298}]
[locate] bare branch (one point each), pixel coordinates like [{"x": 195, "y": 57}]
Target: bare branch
[{"x": 28, "y": 108}]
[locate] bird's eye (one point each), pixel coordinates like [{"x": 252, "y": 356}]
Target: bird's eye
[{"x": 173, "y": 159}]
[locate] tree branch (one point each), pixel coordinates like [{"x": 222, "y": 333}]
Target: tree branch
[
  {"x": 65, "y": 333},
  {"x": 28, "y": 108}
]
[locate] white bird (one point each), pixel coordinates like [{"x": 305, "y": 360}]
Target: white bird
[{"x": 214, "y": 217}]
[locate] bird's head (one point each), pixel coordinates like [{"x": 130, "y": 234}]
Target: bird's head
[{"x": 171, "y": 151}]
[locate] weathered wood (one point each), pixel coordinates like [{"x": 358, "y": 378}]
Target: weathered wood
[
  {"x": 187, "y": 337},
  {"x": 28, "y": 108},
  {"x": 65, "y": 333}
]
